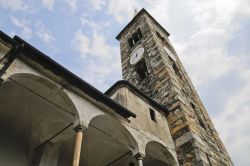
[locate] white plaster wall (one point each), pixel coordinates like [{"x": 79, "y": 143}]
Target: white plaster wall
[
  {"x": 18, "y": 66},
  {"x": 143, "y": 120},
  {"x": 86, "y": 109},
  {"x": 143, "y": 128}
]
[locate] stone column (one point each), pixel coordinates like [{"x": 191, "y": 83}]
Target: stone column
[
  {"x": 78, "y": 144},
  {"x": 139, "y": 157}
]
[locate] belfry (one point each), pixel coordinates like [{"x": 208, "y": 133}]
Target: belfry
[{"x": 150, "y": 63}]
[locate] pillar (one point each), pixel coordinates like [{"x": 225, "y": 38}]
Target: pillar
[
  {"x": 139, "y": 157},
  {"x": 78, "y": 144}
]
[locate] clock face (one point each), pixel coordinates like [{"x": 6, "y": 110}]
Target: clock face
[
  {"x": 136, "y": 55},
  {"x": 170, "y": 54}
]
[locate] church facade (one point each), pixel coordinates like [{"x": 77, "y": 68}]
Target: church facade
[{"x": 154, "y": 117}]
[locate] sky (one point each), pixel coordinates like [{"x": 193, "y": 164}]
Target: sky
[{"x": 211, "y": 37}]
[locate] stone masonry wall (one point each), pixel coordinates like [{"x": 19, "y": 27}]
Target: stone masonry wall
[{"x": 196, "y": 140}]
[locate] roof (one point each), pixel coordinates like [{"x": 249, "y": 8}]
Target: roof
[
  {"x": 7, "y": 39},
  {"x": 136, "y": 16},
  {"x": 31, "y": 52},
  {"x": 133, "y": 88}
]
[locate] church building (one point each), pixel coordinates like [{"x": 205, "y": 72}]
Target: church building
[{"x": 153, "y": 117}]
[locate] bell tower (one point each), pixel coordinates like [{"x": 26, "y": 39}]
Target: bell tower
[{"x": 150, "y": 62}]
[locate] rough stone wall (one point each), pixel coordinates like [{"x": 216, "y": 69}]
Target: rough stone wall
[{"x": 197, "y": 142}]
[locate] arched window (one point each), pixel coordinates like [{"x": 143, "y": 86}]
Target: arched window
[{"x": 141, "y": 69}]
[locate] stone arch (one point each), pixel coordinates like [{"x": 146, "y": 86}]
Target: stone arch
[
  {"x": 158, "y": 154},
  {"x": 35, "y": 112},
  {"x": 38, "y": 84},
  {"x": 86, "y": 109},
  {"x": 108, "y": 138}
]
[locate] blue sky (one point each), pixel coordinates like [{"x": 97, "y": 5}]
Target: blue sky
[{"x": 211, "y": 37}]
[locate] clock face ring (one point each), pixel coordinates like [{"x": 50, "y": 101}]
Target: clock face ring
[{"x": 136, "y": 55}]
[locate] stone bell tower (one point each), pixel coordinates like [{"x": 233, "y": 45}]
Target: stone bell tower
[{"x": 150, "y": 62}]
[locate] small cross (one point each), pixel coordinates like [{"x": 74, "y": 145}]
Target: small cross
[{"x": 135, "y": 12}]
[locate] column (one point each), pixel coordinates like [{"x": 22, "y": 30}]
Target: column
[
  {"x": 139, "y": 157},
  {"x": 78, "y": 144}
]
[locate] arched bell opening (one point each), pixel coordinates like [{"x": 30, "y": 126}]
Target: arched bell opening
[
  {"x": 36, "y": 118},
  {"x": 107, "y": 142},
  {"x": 157, "y": 154}
]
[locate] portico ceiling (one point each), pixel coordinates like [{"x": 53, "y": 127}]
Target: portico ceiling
[{"x": 32, "y": 116}]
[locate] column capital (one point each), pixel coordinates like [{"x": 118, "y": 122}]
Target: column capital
[
  {"x": 139, "y": 156},
  {"x": 80, "y": 128}
]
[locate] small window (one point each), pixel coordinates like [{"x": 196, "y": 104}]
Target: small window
[
  {"x": 177, "y": 72},
  {"x": 198, "y": 116},
  {"x": 192, "y": 106},
  {"x": 160, "y": 36},
  {"x": 131, "y": 42},
  {"x": 135, "y": 38},
  {"x": 141, "y": 69},
  {"x": 152, "y": 114}
]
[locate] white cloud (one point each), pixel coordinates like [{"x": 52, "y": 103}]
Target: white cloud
[
  {"x": 243, "y": 8},
  {"x": 159, "y": 9},
  {"x": 15, "y": 5},
  {"x": 95, "y": 46},
  {"x": 49, "y": 4},
  {"x": 122, "y": 10},
  {"x": 24, "y": 26},
  {"x": 207, "y": 45},
  {"x": 72, "y": 4},
  {"x": 102, "y": 73},
  {"x": 43, "y": 33},
  {"x": 103, "y": 59},
  {"x": 26, "y": 31},
  {"x": 81, "y": 43},
  {"x": 205, "y": 51},
  {"x": 97, "y": 4},
  {"x": 86, "y": 20},
  {"x": 234, "y": 121}
]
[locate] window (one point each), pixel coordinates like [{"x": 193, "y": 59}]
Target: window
[
  {"x": 152, "y": 114},
  {"x": 131, "y": 42},
  {"x": 177, "y": 72},
  {"x": 141, "y": 69},
  {"x": 198, "y": 116},
  {"x": 160, "y": 36},
  {"x": 135, "y": 38}
]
